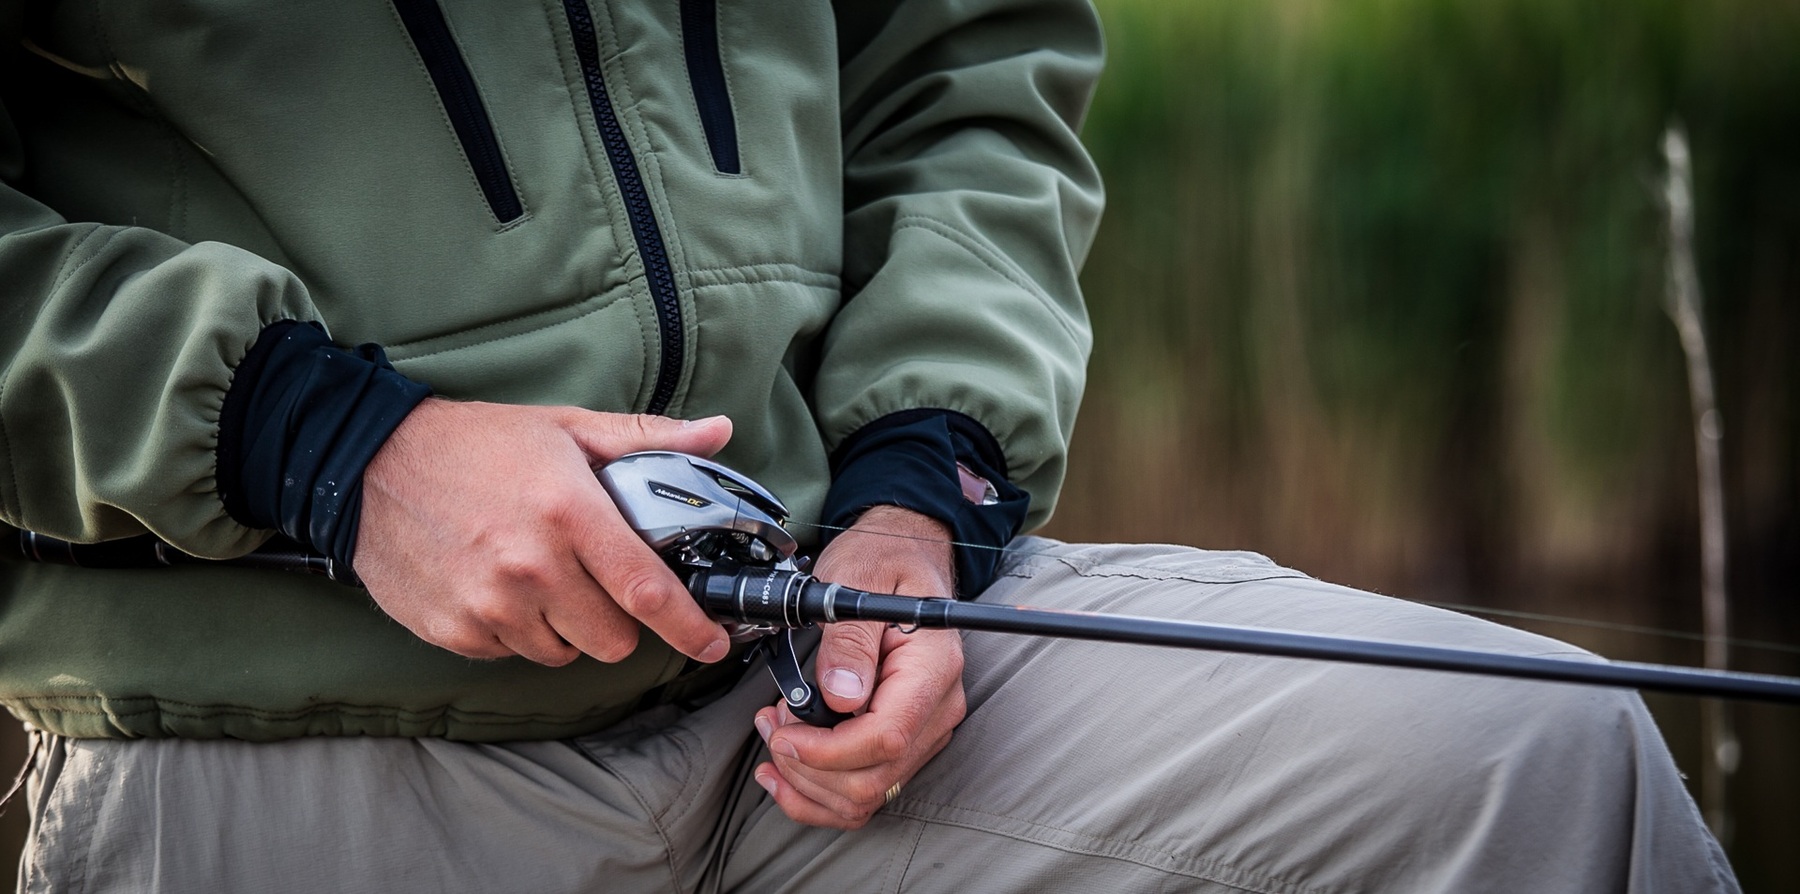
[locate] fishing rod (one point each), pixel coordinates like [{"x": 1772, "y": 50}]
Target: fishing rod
[
  {"x": 795, "y": 599},
  {"x": 727, "y": 538}
]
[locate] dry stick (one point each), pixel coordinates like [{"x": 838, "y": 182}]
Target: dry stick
[{"x": 1683, "y": 306}]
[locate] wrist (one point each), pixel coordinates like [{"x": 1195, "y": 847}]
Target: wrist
[
  {"x": 940, "y": 464},
  {"x": 899, "y": 521}
]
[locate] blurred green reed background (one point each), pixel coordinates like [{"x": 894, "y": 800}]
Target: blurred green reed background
[{"x": 1380, "y": 293}]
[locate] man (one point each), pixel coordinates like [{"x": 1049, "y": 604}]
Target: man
[{"x": 842, "y": 243}]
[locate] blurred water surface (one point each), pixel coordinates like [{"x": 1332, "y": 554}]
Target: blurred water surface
[{"x": 1379, "y": 293}]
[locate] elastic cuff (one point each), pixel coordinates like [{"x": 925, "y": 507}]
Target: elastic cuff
[
  {"x": 909, "y": 459},
  {"x": 300, "y": 423}
]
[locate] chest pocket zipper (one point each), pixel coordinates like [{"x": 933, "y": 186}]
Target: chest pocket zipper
[
  {"x": 430, "y": 34},
  {"x": 706, "y": 72}
]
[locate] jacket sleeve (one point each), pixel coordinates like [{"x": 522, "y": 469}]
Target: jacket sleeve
[
  {"x": 969, "y": 207},
  {"x": 117, "y": 346}
]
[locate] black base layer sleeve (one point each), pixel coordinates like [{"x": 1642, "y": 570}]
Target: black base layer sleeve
[
  {"x": 908, "y": 459},
  {"x": 301, "y": 421}
]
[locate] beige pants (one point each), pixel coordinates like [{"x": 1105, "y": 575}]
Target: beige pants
[{"x": 1082, "y": 767}]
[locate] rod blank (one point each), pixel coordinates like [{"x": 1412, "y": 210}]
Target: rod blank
[{"x": 790, "y": 598}]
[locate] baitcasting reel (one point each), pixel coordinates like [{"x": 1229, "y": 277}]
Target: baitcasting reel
[{"x": 702, "y": 517}]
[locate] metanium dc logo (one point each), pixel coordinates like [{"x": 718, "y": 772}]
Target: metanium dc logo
[{"x": 678, "y": 495}]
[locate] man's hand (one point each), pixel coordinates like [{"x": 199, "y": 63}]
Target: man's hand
[
  {"x": 484, "y": 531},
  {"x": 910, "y": 683}
]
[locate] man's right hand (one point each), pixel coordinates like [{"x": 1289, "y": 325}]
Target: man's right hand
[{"x": 484, "y": 531}]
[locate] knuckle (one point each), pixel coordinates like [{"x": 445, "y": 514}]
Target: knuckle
[
  {"x": 956, "y": 707},
  {"x": 560, "y": 507},
  {"x": 558, "y": 656},
  {"x": 636, "y": 427},
  {"x": 491, "y": 611},
  {"x": 486, "y": 651},
  {"x": 859, "y": 814},
  {"x": 860, "y": 794},
  {"x": 854, "y": 641},
  {"x": 469, "y": 641},
  {"x": 890, "y": 745},
  {"x": 615, "y": 648},
  {"x": 952, "y": 661},
  {"x": 807, "y": 814},
  {"x": 838, "y": 803},
  {"x": 640, "y": 593},
  {"x": 516, "y": 569}
]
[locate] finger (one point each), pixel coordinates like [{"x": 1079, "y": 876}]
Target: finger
[
  {"x": 592, "y": 623},
  {"x": 860, "y": 742},
  {"x": 535, "y": 597},
  {"x": 859, "y": 787},
  {"x": 853, "y": 789},
  {"x": 507, "y": 619},
  {"x": 541, "y": 603},
  {"x": 802, "y": 809},
  {"x": 834, "y": 800},
  {"x": 640, "y": 584},
  {"x": 849, "y": 654},
  {"x": 857, "y": 794},
  {"x": 539, "y": 643},
  {"x": 462, "y": 637},
  {"x": 849, "y": 796},
  {"x": 921, "y": 683},
  {"x": 608, "y": 436}
]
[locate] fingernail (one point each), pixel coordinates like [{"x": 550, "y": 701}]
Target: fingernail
[
  {"x": 786, "y": 749},
  {"x": 766, "y": 781},
  {"x": 764, "y": 727},
  {"x": 691, "y": 423},
  {"x": 715, "y": 651},
  {"x": 843, "y": 683}
]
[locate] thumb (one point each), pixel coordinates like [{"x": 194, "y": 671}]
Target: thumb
[
  {"x": 848, "y": 655},
  {"x": 608, "y": 436}
]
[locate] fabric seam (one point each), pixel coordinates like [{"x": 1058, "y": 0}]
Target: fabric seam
[
  {"x": 1201, "y": 868},
  {"x": 67, "y": 266},
  {"x": 762, "y": 273},
  {"x": 988, "y": 259},
  {"x": 1127, "y": 572},
  {"x": 912, "y": 853},
  {"x": 656, "y": 818},
  {"x": 604, "y": 300}
]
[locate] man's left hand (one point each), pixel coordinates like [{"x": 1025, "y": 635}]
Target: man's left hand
[{"x": 910, "y": 684}]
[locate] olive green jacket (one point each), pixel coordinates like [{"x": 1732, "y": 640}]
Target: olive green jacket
[{"x": 754, "y": 209}]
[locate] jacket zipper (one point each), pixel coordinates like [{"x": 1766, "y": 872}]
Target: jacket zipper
[
  {"x": 706, "y": 73},
  {"x": 657, "y": 270},
  {"x": 430, "y": 35}
]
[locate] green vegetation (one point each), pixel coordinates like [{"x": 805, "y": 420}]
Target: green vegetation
[
  {"x": 1380, "y": 293},
  {"x": 1421, "y": 236}
]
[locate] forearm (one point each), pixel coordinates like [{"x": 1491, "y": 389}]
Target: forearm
[
  {"x": 119, "y": 344},
  {"x": 970, "y": 206}
]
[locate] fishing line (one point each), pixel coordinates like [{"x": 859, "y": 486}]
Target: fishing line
[{"x": 1763, "y": 645}]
